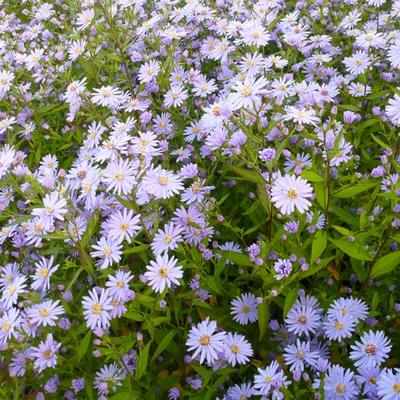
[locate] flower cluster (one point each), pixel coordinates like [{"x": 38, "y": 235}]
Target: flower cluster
[{"x": 199, "y": 199}]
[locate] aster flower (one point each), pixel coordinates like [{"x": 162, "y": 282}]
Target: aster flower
[
  {"x": 393, "y": 110},
  {"x": 166, "y": 239},
  {"x": 289, "y": 192},
  {"x": 123, "y": 225},
  {"x": 270, "y": 380},
  {"x": 53, "y": 207},
  {"x": 44, "y": 270},
  {"x": 372, "y": 350},
  {"x": 283, "y": 268},
  {"x": 245, "y": 309},
  {"x": 241, "y": 392},
  {"x": 120, "y": 176},
  {"x": 339, "y": 327},
  {"x": 97, "y": 308},
  {"x": 339, "y": 384},
  {"x": 388, "y": 384},
  {"x": 303, "y": 116},
  {"x": 247, "y": 93},
  {"x": 10, "y": 322},
  {"x": 253, "y": 33},
  {"x": 163, "y": 273},
  {"x": 299, "y": 355},
  {"x": 304, "y": 317},
  {"x": 108, "y": 379},
  {"x": 45, "y": 313},
  {"x": 118, "y": 285},
  {"x": 107, "y": 96},
  {"x": 45, "y": 354},
  {"x": 148, "y": 71},
  {"x": 161, "y": 183},
  {"x": 204, "y": 342},
  {"x": 357, "y": 63},
  {"x": 11, "y": 292},
  {"x": 108, "y": 251},
  {"x": 237, "y": 349}
]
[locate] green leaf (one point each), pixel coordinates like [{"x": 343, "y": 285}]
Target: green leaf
[
  {"x": 164, "y": 344},
  {"x": 290, "y": 300},
  {"x": 311, "y": 176},
  {"x": 353, "y": 190},
  {"x": 250, "y": 175},
  {"x": 89, "y": 230},
  {"x": 319, "y": 189},
  {"x": 351, "y": 249},
  {"x": 342, "y": 230},
  {"x": 83, "y": 346},
  {"x": 263, "y": 316},
  {"x": 385, "y": 264},
  {"x": 318, "y": 245},
  {"x": 236, "y": 258},
  {"x": 143, "y": 359}
]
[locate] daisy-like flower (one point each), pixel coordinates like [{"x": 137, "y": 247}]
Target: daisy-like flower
[
  {"x": 161, "y": 183},
  {"x": 299, "y": 355},
  {"x": 106, "y": 96},
  {"x": 270, "y": 380},
  {"x": 339, "y": 384},
  {"x": 243, "y": 392},
  {"x": 289, "y": 192},
  {"x": 53, "y": 207},
  {"x": 283, "y": 268},
  {"x": 120, "y": 176},
  {"x": 76, "y": 48},
  {"x": 108, "y": 379},
  {"x": 204, "y": 342},
  {"x": 45, "y": 313},
  {"x": 97, "y": 309},
  {"x": 394, "y": 53},
  {"x": 166, "y": 239},
  {"x": 84, "y": 19},
  {"x": 302, "y": 116},
  {"x": 44, "y": 270},
  {"x": 45, "y": 354},
  {"x": 248, "y": 93},
  {"x": 148, "y": 71},
  {"x": 339, "y": 327},
  {"x": 118, "y": 285},
  {"x": 13, "y": 290},
  {"x": 123, "y": 225},
  {"x": 245, "y": 309},
  {"x": 393, "y": 110},
  {"x": 6, "y": 77},
  {"x": 357, "y": 63},
  {"x": 342, "y": 306},
  {"x": 10, "y": 321},
  {"x": 304, "y": 317},
  {"x": 388, "y": 384},
  {"x": 108, "y": 251},
  {"x": 163, "y": 273},
  {"x": 237, "y": 349},
  {"x": 372, "y": 350},
  {"x": 253, "y": 33},
  {"x": 175, "y": 96}
]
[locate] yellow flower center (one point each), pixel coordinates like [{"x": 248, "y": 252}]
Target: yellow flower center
[
  {"x": 340, "y": 388},
  {"x": 96, "y": 309},
  {"x": 204, "y": 340},
  {"x": 235, "y": 349},
  {"x": 163, "y": 180},
  {"x": 292, "y": 194}
]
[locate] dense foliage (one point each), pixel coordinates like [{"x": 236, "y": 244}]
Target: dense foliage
[{"x": 199, "y": 199}]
